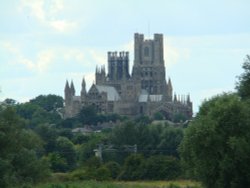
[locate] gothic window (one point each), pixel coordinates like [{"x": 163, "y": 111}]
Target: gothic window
[{"x": 146, "y": 51}]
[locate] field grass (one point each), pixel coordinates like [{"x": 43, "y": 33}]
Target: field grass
[{"x": 121, "y": 184}]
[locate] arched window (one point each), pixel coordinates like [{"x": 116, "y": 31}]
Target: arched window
[{"x": 146, "y": 51}]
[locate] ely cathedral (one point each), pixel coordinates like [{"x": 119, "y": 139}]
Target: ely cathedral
[{"x": 145, "y": 91}]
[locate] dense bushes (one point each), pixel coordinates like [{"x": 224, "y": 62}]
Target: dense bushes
[
  {"x": 20, "y": 161},
  {"x": 135, "y": 167}
]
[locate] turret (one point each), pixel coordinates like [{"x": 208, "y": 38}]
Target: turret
[
  {"x": 175, "y": 98},
  {"x": 170, "y": 90},
  {"x": 83, "y": 91},
  {"x": 118, "y": 66},
  {"x": 100, "y": 75},
  {"x": 72, "y": 88},
  {"x": 67, "y": 93},
  {"x": 189, "y": 103}
]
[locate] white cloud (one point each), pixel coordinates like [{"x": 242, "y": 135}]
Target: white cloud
[
  {"x": 47, "y": 13},
  {"x": 40, "y": 64},
  {"x": 74, "y": 54},
  {"x": 173, "y": 55},
  {"x": 62, "y": 25},
  {"x": 44, "y": 60},
  {"x": 99, "y": 57}
]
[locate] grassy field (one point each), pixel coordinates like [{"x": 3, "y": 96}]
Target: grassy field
[{"x": 120, "y": 184}]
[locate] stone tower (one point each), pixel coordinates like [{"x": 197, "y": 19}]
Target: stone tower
[
  {"x": 118, "y": 66},
  {"x": 149, "y": 66},
  {"x": 100, "y": 75}
]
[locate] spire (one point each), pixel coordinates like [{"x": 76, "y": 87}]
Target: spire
[
  {"x": 96, "y": 69},
  {"x": 175, "y": 98},
  {"x": 72, "y": 88},
  {"x": 83, "y": 91},
  {"x": 170, "y": 83},
  {"x": 169, "y": 90},
  {"x": 83, "y": 83},
  {"x": 66, "y": 86},
  {"x": 103, "y": 69},
  {"x": 83, "y": 86},
  {"x": 67, "y": 94}
]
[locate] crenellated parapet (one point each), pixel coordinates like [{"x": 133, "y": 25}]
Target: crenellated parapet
[{"x": 118, "y": 66}]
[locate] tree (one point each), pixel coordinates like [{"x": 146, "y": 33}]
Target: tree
[
  {"x": 161, "y": 167},
  {"x": 126, "y": 134},
  {"x": 243, "y": 85},
  {"x": 158, "y": 116},
  {"x": 133, "y": 168},
  {"x": 170, "y": 140},
  {"x": 114, "y": 168},
  {"x": 88, "y": 115},
  {"x": 215, "y": 148},
  {"x": 20, "y": 160},
  {"x": 65, "y": 148},
  {"x": 10, "y": 102},
  {"x": 48, "y": 102}
]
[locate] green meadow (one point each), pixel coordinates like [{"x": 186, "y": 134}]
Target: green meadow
[{"x": 123, "y": 184}]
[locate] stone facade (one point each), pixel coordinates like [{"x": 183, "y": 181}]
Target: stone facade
[{"x": 144, "y": 92}]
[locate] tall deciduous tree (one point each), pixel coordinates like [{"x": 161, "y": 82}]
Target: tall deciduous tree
[
  {"x": 48, "y": 102},
  {"x": 243, "y": 85},
  {"x": 19, "y": 152},
  {"x": 215, "y": 148}
]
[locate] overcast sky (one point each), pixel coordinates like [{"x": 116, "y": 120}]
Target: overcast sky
[{"x": 45, "y": 42}]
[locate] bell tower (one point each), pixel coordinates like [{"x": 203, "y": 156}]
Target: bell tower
[{"x": 149, "y": 66}]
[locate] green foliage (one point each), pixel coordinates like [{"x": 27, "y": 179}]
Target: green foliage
[
  {"x": 65, "y": 148},
  {"x": 10, "y": 102},
  {"x": 161, "y": 167},
  {"x": 86, "y": 150},
  {"x": 125, "y": 134},
  {"x": 49, "y": 134},
  {"x": 158, "y": 116},
  {"x": 102, "y": 174},
  {"x": 19, "y": 161},
  {"x": 48, "y": 102},
  {"x": 36, "y": 115},
  {"x": 88, "y": 116},
  {"x": 133, "y": 168},
  {"x": 243, "y": 85},
  {"x": 180, "y": 117},
  {"x": 156, "y": 167},
  {"x": 114, "y": 169},
  {"x": 116, "y": 184},
  {"x": 80, "y": 138},
  {"x": 150, "y": 139},
  {"x": 57, "y": 162},
  {"x": 170, "y": 140},
  {"x": 214, "y": 148},
  {"x": 42, "y": 109}
]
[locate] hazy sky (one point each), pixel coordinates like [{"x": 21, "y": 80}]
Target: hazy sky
[{"x": 45, "y": 42}]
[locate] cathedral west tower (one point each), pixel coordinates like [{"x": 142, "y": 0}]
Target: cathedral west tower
[{"x": 149, "y": 63}]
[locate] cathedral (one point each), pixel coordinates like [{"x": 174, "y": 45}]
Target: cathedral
[{"x": 145, "y": 91}]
